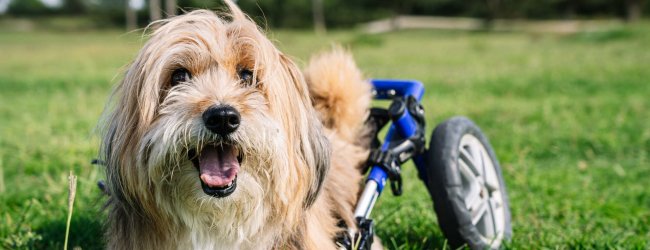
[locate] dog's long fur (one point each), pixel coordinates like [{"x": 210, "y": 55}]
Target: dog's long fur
[{"x": 302, "y": 137}]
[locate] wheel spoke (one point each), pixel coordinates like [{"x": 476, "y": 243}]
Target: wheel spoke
[
  {"x": 496, "y": 208},
  {"x": 468, "y": 159},
  {"x": 491, "y": 184},
  {"x": 489, "y": 176},
  {"x": 488, "y": 224},
  {"x": 476, "y": 149},
  {"x": 467, "y": 172},
  {"x": 491, "y": 181},
  {"x": 473, "y": 199},
  {"x": 479, "y": 210}
]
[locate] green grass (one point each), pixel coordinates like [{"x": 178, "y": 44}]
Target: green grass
[{"x": 568, "y": 117}]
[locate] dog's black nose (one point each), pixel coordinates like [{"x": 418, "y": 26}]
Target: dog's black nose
[{"x": 221, "y": 119}]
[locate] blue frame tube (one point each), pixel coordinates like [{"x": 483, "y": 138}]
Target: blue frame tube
[
  {"x": 406, "y": 126},
  {"x": 401, "y": 88}
]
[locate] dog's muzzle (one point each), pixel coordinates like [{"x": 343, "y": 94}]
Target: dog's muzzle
[{"x": 218, "y": 163}]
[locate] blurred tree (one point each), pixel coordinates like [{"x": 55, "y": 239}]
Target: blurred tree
[
  {"x": 600, "y": 8},
  {"x": 28, "y": 8},
  {"x": 199, "y": 4},
  {"x": 633, "y": 10},
  {"x": 319, "y": 16},
  {"x": 570, "y": 9},
  {"x": 493, "y": 12},
  {"x": 74, "y": 7},
  {"x": 278, "y": 13},
  {"x": 155, "y": 13},
  {"x": 170, "y": 7},
  {"x": 131, "y": 16},
  {"x": 111, "y": 13}
]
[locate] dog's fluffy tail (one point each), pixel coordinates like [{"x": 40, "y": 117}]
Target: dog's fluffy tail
[{"x": 340, "y": 93}]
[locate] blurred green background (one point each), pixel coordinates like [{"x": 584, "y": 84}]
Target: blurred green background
[{"x": 567, "y": 110}]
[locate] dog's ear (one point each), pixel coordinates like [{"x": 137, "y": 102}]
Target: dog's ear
[
  {"x": 314, "y": 145},
  {"x": 129, "y": 112},
  {"x": 320, "y": 148}
]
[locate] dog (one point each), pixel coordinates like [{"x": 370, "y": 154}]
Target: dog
[{"x": 215, "y": 139}]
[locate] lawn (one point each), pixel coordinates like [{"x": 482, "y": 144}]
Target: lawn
[{"x": 567, "y": 115}]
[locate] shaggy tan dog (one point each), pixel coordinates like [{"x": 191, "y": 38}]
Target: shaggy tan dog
[{"x": 216, "y": 140}]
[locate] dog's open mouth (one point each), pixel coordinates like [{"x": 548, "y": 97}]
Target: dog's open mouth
[{"x": 218, "y": 166}]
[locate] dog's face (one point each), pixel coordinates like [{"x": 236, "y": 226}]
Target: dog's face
[{"x": 212, "y": 124}]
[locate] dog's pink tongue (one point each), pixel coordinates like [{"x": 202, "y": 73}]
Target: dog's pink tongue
[{"x": 218, "y": 165}]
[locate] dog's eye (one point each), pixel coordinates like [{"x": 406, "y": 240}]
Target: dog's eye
[
  {"x": 179, "y": 76},
  {"x": 246, "y": 76}
]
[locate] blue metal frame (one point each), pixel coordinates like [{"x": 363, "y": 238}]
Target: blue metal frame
[{"x": 406, "y": 126}]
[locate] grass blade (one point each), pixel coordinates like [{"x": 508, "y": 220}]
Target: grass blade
[{"x": 72, "y": 191}]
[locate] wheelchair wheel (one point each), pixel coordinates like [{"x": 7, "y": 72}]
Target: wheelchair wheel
[{"x": 465, "y": 181}]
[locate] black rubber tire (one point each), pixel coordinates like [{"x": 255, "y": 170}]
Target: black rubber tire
[{"x": 443, "y": 181}]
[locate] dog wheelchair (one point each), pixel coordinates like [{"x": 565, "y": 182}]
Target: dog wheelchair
[{"x": 459, "y": 169}]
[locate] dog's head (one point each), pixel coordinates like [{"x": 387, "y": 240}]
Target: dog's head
[{"x": 212, "y": 118}]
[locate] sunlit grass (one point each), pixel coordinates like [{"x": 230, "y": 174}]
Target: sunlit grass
[{"x": 568, "y": 117}]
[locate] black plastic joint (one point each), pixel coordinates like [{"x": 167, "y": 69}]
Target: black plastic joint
[
  {"x": 365, "y": 236},
  {"x": 397, "y": 109}
]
